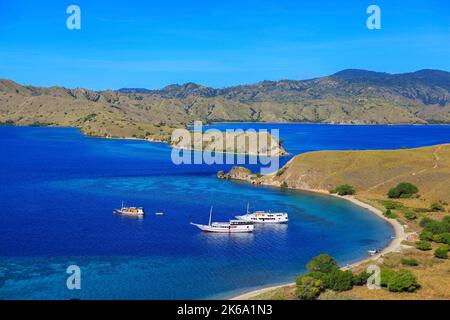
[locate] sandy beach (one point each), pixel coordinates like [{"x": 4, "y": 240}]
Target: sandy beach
[{"x": 393, "y": 246}]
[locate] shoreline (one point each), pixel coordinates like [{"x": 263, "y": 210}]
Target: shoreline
[{"x": 393, "y": 246}]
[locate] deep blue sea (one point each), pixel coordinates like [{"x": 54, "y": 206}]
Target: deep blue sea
[{"x": 58, "y": 190}]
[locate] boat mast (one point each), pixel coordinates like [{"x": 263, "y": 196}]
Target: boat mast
[
  {"x": 122, "y": 204},
  {"x": 210, "y": 215},
  {"x": 248, "y": 207}
]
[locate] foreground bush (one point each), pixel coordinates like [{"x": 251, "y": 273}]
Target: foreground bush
[
  {"x": 340, "y": 280},
  {"x": 403, "y": 190},
  {"x": 426, "y": 235},
  {"x": 343, "y": 190},
  {"x": 322, "y": 263},
  {"x": 402, "y": 281},
  {"x": 386, "y": 275},
  {"x": 442, "y": 252},
  {"x": 389, "y": 214},
  {"x": 308, "y": 288},
  {"x": 410, "y": 215},
  {"x": 423, "y": 245},
  {"x": 360, "y": 279},
  {"x": 436, "y": 206},
  {"x": 410, "y": 262}
]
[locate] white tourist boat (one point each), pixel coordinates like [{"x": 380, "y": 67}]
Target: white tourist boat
[
  {"x": 264, "y": 217},
  {"x": 233, "y": 226},
  {"x": 130, "y": 211}
]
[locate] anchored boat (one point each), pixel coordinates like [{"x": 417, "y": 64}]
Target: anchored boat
[
  {"x": 233, "y": 226},
  {"x": 264, "y": 217},
  {"x": 130, "y": 211}
]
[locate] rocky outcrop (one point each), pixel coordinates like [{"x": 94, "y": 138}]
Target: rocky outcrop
[{"x": 236, "y": 173}]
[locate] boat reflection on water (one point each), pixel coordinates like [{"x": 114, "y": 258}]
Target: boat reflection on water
[{"x": 225, "y": 239}]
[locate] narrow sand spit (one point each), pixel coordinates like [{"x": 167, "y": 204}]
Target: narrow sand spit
[{"x": 393, "y": 246}]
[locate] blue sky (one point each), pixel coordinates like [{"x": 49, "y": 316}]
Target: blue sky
[{"x": 216, "y": 43}]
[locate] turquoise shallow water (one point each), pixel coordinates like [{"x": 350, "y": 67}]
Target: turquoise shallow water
[{"x": 59, "y": 189}]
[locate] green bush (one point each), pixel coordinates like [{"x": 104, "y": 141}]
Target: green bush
[
  {"x": 360, "y": 279},
  {"x": 403, "y": 190},
  {"x": 410, "y": 215},
  {"x": 410, "y": 262},
  {"x": 426, "y": 235},
  {"x": 423, "y": 245},
  {"x": 435, "y": 226},
  {"x": 343, "y": 190},
  {"x": 436, "y": 206},
  {"x": 281, "y": 171},
  {"x": 308, "y": 288},
  {"x": 284, "y": 185},
  {"x": 322, "y": 263},
  {"x": 339, "y": 280},
  {"x": 386, "y": 275},
  {"x": 442, "y": 238},
  {"x": 402, "y": 281},
  {"x": 388, "y": 204},
  {"x": 389, "y": 214},
  {"x": 441, "y": 252}
]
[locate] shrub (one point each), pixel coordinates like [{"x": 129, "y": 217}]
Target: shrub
[
  {"x": 281, "y": 171},
  {"x": 426, "y": 235},
  {"x": 284, "y": 185},
  {"x": 423, "y": 245},
  {"x": 410, "y": 262},
  {"x": 433, "y": 226},
  {"x": 389, "y": 214},
  {"x": 309, "y": 288},
  {"x": 436, "y": 206},
  {"x": 390, "y": 204},
  {"x": 442, "y": 238},
  {"x": 441, "y": 252},
  {"x": 410, "y": 215},
  {"x": 343, "y": 190},
  {"x": 339, "y": 280},
  {"x": 322, "y": 263},
  {"x": 402, "y": 281},
  {"x": 386, "y": 275},
  {"x": 403, "y": 190},
  {"x": 360, "y": 279}
]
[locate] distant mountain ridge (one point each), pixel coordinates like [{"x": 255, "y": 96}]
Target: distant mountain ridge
[
  {"x": 350, "y": 96},
  {"x": 355, "y": 79}
]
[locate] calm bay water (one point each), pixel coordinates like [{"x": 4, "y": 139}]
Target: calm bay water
[{"x": 58, "y": 190}]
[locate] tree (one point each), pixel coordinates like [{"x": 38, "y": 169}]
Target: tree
[
  {"x": 386, "y": 275},
  {"x": 308, "y": 288},
  {"x": 402, "y": 281},
  {"x": 423, "y": 245},
  {"x": 322, "y": 263},
  {"x": 441, "y": 252},
  {"x": 343, "y": 190},
  {"x": 403, "y": 190}
]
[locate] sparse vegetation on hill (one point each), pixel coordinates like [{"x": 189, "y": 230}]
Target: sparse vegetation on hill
[
  {"x": 403, "y": 190},
  {"x": 349, "y": 96},
  {"x": 343, "y": 190}
]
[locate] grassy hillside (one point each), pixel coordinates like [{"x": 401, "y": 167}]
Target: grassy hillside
[
  {"x": 372, "y": 173},
  {"x": 350, "y": 96}
]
